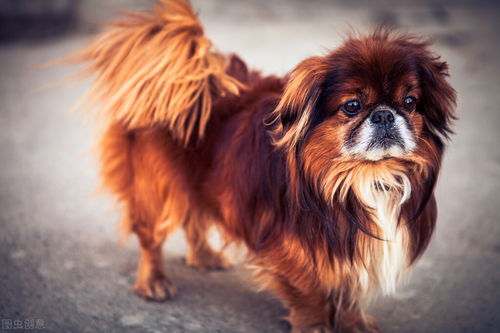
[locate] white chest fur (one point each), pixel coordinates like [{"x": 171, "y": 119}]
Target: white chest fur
[{"x": 385, "y": 261}]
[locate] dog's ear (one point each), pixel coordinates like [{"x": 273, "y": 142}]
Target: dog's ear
[
  {"x": 438, "y": 100},
  {"x": 294, "y": 112}
]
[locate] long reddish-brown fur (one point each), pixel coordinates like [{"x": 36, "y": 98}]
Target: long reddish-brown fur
[{"x": 194, "y": 138}]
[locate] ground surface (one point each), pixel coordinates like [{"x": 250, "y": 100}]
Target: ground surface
[{"x": 59, "y": 256}]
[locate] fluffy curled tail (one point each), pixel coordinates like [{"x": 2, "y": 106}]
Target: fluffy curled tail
[{"x": 156, "y": 68}]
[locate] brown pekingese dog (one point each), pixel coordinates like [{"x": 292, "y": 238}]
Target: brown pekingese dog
[{"x": 326, "y": 175}]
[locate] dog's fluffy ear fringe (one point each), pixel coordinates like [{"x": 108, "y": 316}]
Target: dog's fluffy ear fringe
[
  {"x": 156, "y": 68},
  {"x": 293, "y": 114}
]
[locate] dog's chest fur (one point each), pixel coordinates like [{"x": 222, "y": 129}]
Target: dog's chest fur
[{"x": 385, "y": 260}]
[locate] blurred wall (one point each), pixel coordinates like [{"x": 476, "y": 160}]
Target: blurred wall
[
  {"x": 40, "y": 19},
  {"x": 33, "y": 19}
]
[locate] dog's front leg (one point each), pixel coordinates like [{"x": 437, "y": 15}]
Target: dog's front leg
[
  {"x": 314, "y": 309},
  {"x": 309, "y": 306}
]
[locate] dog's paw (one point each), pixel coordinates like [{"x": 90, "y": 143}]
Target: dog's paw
[
  {"x": 365, "y": 325},
  {"x": 156, "y": 288},
  {"x": 207, "y": 260},
  {"x": 371, "y": 325}
]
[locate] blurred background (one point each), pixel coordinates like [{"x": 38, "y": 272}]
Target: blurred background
[{"x": 61, "y": 267}]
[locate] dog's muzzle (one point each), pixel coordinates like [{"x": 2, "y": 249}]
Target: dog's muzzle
[{"x": 385, "y": 130}]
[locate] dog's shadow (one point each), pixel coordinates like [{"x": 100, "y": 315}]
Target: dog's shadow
[{"x": 215, "y": 301}]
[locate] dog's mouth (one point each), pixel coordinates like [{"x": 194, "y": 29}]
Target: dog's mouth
[
  {"x": 385, "y": 138},
  {"x": 375, "y": 141}
]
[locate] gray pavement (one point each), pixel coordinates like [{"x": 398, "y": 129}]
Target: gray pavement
[{"x": 60, "y": 260}]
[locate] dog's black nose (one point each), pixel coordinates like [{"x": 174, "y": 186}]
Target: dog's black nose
[{"x": 382, "y": 117}]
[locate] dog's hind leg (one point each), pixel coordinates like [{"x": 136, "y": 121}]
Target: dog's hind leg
[
  {"x": 143, "y": 207},
  {"x": 200, "y": 253},
  {"x": 152, "y": 282},
  {"x": 156, "y": 207}
]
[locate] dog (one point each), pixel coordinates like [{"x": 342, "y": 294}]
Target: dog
[{"x": 326, "y": 175}]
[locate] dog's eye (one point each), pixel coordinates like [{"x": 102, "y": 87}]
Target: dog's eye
[
  {"x": 409, "y": 103},
  {"x": 352, "y": 107}
]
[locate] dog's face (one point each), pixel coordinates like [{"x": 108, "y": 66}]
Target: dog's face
[
  {"x": 375, "y": 98},
  {"x": 371, "y": 102}
]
